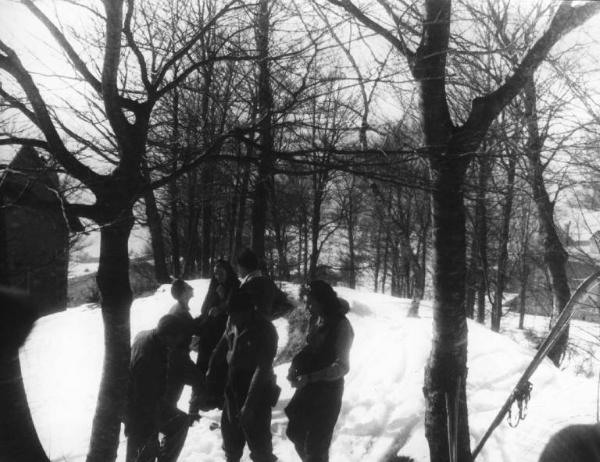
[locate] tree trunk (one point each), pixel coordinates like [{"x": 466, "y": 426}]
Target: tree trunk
[
  {"x": 503, "y": 244},
  {"x": 314, "y": 234},
  {"x": 191, "y": 237},
  {"x": 116, "y": 298},
  {"x": 280, "y": 242},
  {"x": 174, "y": 230},
  {"x": 156, "y": 238},
  {"x": 471, "y": 280},
  {"x": 555, "y": 256},
  {"x": 481, "y": 231},
  {"x": 19, "y": 440},
  {"x": 523, "y": 292},
  {"x": 241, "y": 212},
  {"x": 351, "y": 250},
  {"x": 207, "y": 215},
  {"x": 386, "y": 254},
  {"x": 446, "y": 368},
  {"x": 377, "y": 262},
  {"x": 265, "y": 130},
  {"x": 315, "y": 224}
]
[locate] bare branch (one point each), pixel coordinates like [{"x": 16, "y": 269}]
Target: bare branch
[
  {"x": 134, "y": 47},
  {"x": 75, "y": 59},
  {"x": 188, "y": 46},
  {"x": 397, "y": 41},
  {"x": 486, "y": 108},
  {"x": 11, "y": 63},
  {"x": 15, "y": 140}
]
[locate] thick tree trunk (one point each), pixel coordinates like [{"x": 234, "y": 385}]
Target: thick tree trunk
[
  {"x": 386, "y": 255},
  {"x": 265, "y": 131},
  {"x": 351, "y": 251},
  {"x": 503, "y": 243},
  {"x": 156, "y": 238},
  {"x": 191, "y": 236},
  {"x": 19, "y": 441},
  {"x": 116, "y": 298},
  {"x": 471, "y": 280},
  {"x": 241, "y": 212},
  {"x": 446, "y": 370},
  {"x": 280, "y": 242},
  {"x": 315, "y": 226},
  {"x": 481, "y": 231},
  {"x": 555, "y": 256},
  {"x": 207, "y": 221},
  {"x": 174, "y": 230},
  {"x": 173, "y": 191}
]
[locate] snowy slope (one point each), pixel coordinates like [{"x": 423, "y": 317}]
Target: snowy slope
[{"x": 383, "y": 404}]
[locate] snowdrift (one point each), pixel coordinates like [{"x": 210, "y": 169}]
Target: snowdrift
[{"x": 383, "y": 405}]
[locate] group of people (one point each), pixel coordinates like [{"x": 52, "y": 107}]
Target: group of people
[{"x": 236, "y": 344}]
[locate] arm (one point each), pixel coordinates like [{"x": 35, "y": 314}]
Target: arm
[
  {"x": 263, "y": 374},
  {"x": 208, "y": 302},
  {"x": 219, "y": 353}
]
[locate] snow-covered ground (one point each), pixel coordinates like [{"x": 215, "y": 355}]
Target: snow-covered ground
[{"x": 383, "y": 404}]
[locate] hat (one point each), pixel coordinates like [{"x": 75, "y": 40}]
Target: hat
[{"x": 327, "y": 297}]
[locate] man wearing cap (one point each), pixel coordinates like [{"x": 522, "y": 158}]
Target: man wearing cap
[
  {"x": 249, "y": 345},
  {"x": 266, "y": 297},
  {"x": 181, "y": 369},
  {"x": 147, "y": 412}
]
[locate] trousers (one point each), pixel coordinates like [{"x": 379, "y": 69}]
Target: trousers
[{"x": 144, "y": 445}]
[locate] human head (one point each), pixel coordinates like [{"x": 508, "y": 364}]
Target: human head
[
  {"x": 240, "y": 307},
  {"x": 171, "y": 330},
  {"x": 322, "y": 299},
  {"x": 181, "y": 291},
  {"x": 247, "y": 262},
  {"x": 223, "y": 272}
]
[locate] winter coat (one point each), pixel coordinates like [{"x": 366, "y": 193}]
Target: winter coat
[
  {"x": 267, "y": 298},
  {"x": 147, "y": 382}
]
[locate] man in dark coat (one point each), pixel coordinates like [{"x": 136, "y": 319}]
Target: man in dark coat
[
  {"x": 249, "y": 345},
  {"x": 267, "y": 298},
  {"x": 181, "y": 369},
  {"x": 147, "y": 412}
]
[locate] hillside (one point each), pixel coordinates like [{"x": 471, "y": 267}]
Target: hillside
[{"x": 383, "y": 404}]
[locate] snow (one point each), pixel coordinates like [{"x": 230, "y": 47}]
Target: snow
[{"x": 383, "y": 406}]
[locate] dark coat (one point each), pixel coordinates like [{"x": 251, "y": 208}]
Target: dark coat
[
  {"x": 267, "y": 298},
  {"x": 181, "y": 369},
  {"x": 147, "y": 382}
]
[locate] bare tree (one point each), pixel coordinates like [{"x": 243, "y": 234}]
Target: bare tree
[
  {"x": 127, "y": 108},
  {"x": 449, "y": 147}
]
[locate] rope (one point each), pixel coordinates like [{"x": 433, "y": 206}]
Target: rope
[{"x": 522, "y": 396}]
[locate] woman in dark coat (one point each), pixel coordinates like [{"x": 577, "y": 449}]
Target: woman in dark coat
[
  {"x": 317, "y": 372},
  {"x": 209, "y": 328}
]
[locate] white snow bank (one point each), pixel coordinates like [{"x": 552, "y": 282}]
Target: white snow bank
[{"x": 383, "y": 403}]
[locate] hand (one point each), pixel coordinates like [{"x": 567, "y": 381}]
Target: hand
[{"x": 300, "y": 381}]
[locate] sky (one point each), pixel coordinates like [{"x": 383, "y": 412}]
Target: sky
[{"x": 38, "y": 51}]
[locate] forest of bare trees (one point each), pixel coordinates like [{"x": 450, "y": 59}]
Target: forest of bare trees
[{"x": 413, "y": 148}]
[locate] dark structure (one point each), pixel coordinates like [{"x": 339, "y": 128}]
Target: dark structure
[{"x": 34, "y": 231}]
